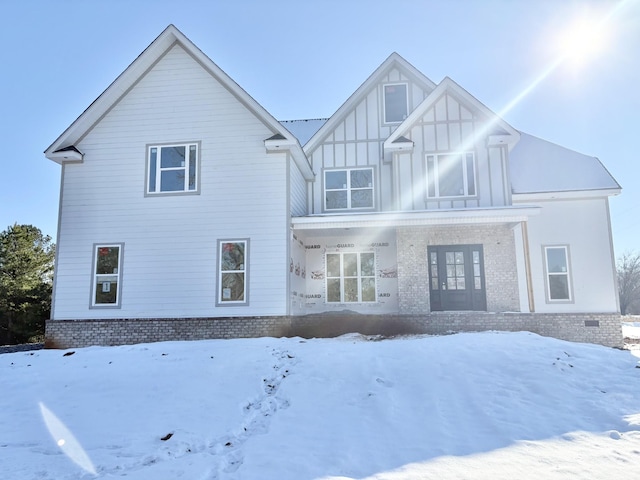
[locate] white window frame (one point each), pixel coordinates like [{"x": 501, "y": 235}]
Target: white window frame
[
  {"x": 469, "y": 190},
  {"x": 96, "y": 277},
  {"x": 220, "y": 300},
  {"x": 342, "y": 278},
  {"x": 548, "y": 274},
  {"x": 156, "y": 171},
  {"x": 384, "y": 102},
  {"x": 348, "y": 189}
]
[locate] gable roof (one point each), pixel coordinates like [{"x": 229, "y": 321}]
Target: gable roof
[
  {"x": 394, "y": 60},
  {"x": 496, "y": 127},
  {"x": 539, "y": 166},
  {"x": 131, "y": 76}
]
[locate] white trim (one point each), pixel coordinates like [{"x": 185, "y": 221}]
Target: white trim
[
  {"x": 159, "y": 169},
  {"x": 436, "y": 174},
  {"x": 348, "y": 189},
  {"x": 568, "y": 195},
  {"x": 548, "y": 274},
  {"x": 220, "y": 302},
  {"x": 95, "y": 275},
  {"x": 358, "y": 277},
  {"x": 464, "y": 216}
]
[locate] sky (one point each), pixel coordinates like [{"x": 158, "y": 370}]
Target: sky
[
  {"x": 481, "y": 406},
  {"x": 303, "y": 59}
]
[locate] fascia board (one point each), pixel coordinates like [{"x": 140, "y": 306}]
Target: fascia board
[
  {"x": 363, "y": 90},
  {"x": 565, "y": 195},
  {"x": 469, "y": 216}
]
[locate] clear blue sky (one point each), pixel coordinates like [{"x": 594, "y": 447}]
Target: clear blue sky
[{"x": 303, "y": 58}]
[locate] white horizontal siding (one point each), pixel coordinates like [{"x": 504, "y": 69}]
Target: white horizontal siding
[
  {"x": 170, "y": 242},
  {"x": 298, "y": 190}
]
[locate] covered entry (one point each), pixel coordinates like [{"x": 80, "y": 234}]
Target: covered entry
[{"x": 456, "y": 277}]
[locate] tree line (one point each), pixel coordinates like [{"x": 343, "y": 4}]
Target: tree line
[{"x": 26, "y": 282}]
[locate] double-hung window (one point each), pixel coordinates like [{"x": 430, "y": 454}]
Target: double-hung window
[
  {"x": 558, "y": 275},
  {"x": 348, "y": 189},
  {"x": 233, "y": 260},
  {"x": 107, "y": 275},
  {"x": 396, "y": 107},
  {"x": 172, "y": 168},
  {"x": 451, "y": 175},
  {"x": 351, "y": 277}
]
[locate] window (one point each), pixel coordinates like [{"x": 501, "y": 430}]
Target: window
[
  {"x": 107, "y": 273},
  {"x": 348, "y": 189},
  {"x": 395, "y": 103},
  {"x": 233, "y": 260},
  {"x": 351, "y": 277},
  {"x": 172, "y": 168},
  {"x": 557, "y": 266},
  {"x": 451, "y": 175}
]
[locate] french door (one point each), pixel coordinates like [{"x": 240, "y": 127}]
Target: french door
[{"x": 456, "y": 277}]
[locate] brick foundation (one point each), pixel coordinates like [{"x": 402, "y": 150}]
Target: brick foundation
[{"x": 604, "y": 329}]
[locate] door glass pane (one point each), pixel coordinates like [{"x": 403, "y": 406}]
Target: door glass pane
[
  {"x": 451, "y": 270},
  {"x": 460, "y": 257},
  {"x": 434, "y": 283},
  {"x": 450, "y": 258},
  {"x": 451, "y": 283},
  {"x": 434, "y": 258},
  {"x": 476, "y": 256},
  {"x": 350, "y": 264},
  {"x": 477, "y": 283},
  {"x": 459, "y": 270},
  {"x": 434, "y": 271},
  {"x": 476, "y": 270},
  {"x": 460, "y": 284}
]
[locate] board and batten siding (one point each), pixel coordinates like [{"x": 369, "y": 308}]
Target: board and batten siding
[
  {"x": 450, "y": 126},
  {"x": 583, "y": 226},
  {"x": 357, "y": 141},
  {"x": 170, "y": 241}
]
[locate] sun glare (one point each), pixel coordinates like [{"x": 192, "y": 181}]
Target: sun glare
[{"x": 584, "y": 40}]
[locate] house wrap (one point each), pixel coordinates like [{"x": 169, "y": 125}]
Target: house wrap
[{"x": 187, "y": 211}]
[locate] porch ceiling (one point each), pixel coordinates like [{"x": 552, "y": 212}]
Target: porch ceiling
[{"x": 466, "y": 216}]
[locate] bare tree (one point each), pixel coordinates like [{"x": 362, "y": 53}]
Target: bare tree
[{"x": 628, "y": 268}]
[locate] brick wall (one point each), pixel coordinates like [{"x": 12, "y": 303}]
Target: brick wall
[
  {"x": 498, "y": 244},
  {"x": 604, "y": 329}
]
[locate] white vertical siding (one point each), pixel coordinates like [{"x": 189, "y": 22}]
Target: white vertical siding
[
  {"x": 169, "y": 267},
  {"x": 357, "y": 141}
]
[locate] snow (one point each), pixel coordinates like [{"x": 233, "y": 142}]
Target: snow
[{"x": 476, "y": 405}]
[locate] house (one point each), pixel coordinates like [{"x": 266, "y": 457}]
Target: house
[{"x": 187, "y": 211}]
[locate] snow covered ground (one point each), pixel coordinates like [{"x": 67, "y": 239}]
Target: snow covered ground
[{"x": 467, "y": 406}]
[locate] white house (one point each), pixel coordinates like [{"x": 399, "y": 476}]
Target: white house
[{"x": 188, "y": 211}]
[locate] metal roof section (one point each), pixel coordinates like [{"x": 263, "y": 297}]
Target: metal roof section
[
  {"x": 539, "y": 166},
  {"x": 393, "y": 60},
  {"x": 304, "y": 129},
  {"x": 139, "y": 67}
]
